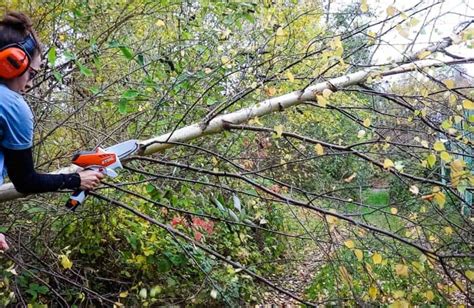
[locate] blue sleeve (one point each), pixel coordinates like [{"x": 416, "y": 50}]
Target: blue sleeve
[{"x": 16, "y": 124}]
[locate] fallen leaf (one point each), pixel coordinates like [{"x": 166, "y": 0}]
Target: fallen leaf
[
  {"x": 319, "y": 149},
  {"x": 388, "y": 163},
  {"x": 359, "y": 254},
  {"x": 401, "y": 270},
  {"x": 65, "y": 262},
  {"x": 414, "y": 190},
  {"x": 349, "y": 244},
  {"x": 350, "y": 178},
  {"x": 377, "y": 258}
]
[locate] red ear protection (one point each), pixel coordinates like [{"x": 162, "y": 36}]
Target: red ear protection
[{"x": 15, "y": 58}]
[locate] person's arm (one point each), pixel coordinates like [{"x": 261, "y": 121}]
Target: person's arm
[
  {"x": 21, "y": 172},
  {"x": 3, "y": 243}
]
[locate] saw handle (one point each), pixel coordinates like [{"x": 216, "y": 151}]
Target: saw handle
[
  {"x": 76, "y": 199},
  {"x": 79, "y": 195}
]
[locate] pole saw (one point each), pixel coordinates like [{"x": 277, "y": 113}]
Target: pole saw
[{"x": 102, "y": 160}]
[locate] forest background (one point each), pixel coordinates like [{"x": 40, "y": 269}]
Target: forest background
[{"x": 281, "y": 141}]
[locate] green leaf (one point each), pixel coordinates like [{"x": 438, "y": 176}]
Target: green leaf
[
  {"x": 150, "y": 188},
  {"x": 140, "y": 60},
  {"x": 431, "y": 159},
  {"x": 219, "y": 205},
  {"x": 237, "y": 204},
  {"x": 85, "y": 70},
  {"x": 126, "y": 52},
  {"x": 58, "y": 76},
  {"x": 123, "y": 106},
  {"x": 130, "y": 94},
  {"x": 69, "y": 55},
  {"x": 52, "y": 56},
  {"x": 233, "y": 216}
]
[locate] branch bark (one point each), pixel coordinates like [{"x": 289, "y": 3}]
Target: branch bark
[{"x": 276, "y": 104}]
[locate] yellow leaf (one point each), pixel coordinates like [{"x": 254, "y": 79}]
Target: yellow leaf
[
  {"x": 449, "y": 83},
  {"x": 457, "y": 165},
  {"x": 278, "y": 130},
  {"x": 467, "y": 104},
  {"x": 391, "y": 10},
  {"x": 65, "y": 262},
  {"x": 327, "y": 93},
  {"x": 445, "y": 156},
  {"x": 401, "y": 270},
  {"x": 388, "y": 163},
  {"x": 424, "y": 54},
  {"x": 336, "y": 43},
  {"x": 414, "y": 21},
  {"x": 440, "y": 198},
  {"x": 373, "y": 292},
  {"x": 431, "y": 159},
  {"x": 402, "y": 31},
  {"x": 349, "y": 244},
  {"x": 359, "y": 254},
  {"x": 149, "y": 251},
  {"x": 319, "y": 149},
  {"x": 377, "y": 258},
  {"x": 448, "y": 230},
  {"x": 424, "y": 92},
  {"x": 429, "y": 295},
  {"x": 270, "y": 91},
  {"x": 414, "y": 190},
  {"x": 331, "y": 219},
  {"x": 400, "y": 304},
  {"x": 439, "y": 146},
  {"x": 123, "y": 294},
  {"x": 290, "y": 76},
  {"x": 366, "y": 122},
  {"x": 160, "y": 23},
  {"x": 394, "y": 210},
  {"x": 371, "y": 34},
  {"x": 255, "y": 120},
  {"x": 321, "y": 100},
  {"x": 470, "y": 275},
  {"x": 350, "y": 178},
  {"x": 225, "y": 59},
  {"x": 363, "y": 6},
  {"x": 280, "y": 32},
  {"x": 453, "y": 99},
  {"x": 398, "y": 294}
]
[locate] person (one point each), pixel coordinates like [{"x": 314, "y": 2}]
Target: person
[{"x": 20, "y": 60}]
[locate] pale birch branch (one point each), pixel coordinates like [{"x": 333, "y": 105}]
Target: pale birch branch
[{"x": 276, "y": 104}]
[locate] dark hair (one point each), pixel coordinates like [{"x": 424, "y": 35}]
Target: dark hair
[{"x": 15, "y": 27}]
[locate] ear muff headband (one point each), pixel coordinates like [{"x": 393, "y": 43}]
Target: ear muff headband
[{"x": 16, "y": 58}]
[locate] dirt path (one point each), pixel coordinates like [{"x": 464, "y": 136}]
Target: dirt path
[{"x": 297, "y": 280}]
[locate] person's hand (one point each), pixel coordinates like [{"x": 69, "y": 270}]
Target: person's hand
[
  {"x": 3, "y": 243},
  {"x": 90, "y": 179}
]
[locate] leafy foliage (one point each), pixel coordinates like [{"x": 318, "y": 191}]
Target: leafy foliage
[{"x": 376, "y": 177}]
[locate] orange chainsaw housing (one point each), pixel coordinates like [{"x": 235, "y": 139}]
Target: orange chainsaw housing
[{"x": 94, "y": 158}]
